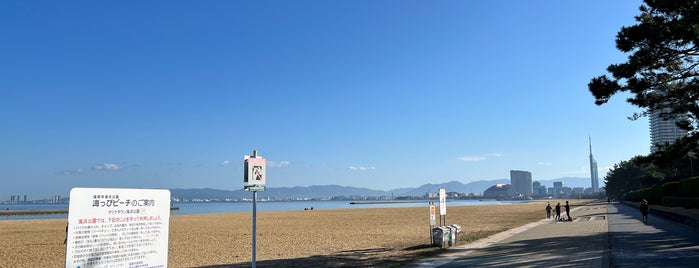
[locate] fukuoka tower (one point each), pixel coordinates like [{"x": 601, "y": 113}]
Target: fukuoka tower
[{"x": 593, "y": 171}]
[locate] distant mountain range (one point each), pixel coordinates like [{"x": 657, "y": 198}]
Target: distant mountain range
[{"x": 330, "y": 191}]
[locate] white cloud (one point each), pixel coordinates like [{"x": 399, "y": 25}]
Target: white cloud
[
  {"x": 494, "y": 155},
  {"x": 544, "y": 163},
  {"x": 360, "y": 168},
  {"x": 275, "y": 164},
  {"x": 106, "y": 167},
  {"x": 226, "y": 163}
]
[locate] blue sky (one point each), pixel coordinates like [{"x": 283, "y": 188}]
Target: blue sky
[{"x": 376, "y": 94}]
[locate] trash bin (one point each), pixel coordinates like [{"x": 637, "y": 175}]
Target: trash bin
[
  {"x": 441, "y": 236},
  {"x": 456, "y": 229},
  {"x": 452, "y": 235}
]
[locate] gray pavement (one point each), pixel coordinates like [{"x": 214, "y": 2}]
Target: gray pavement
[
  {"x": 601, "y": 235},
  {"x": 660, "y": 243}
]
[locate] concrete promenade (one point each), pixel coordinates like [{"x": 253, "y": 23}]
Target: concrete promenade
[{"x": 600, "y": 235}]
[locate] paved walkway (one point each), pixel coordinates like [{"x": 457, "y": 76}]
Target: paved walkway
[{"x": 601, "y": 235}]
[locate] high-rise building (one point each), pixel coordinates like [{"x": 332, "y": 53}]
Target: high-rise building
[
  {"x": 521, "y": 182},
  {"x": 538, "y": 189},
  {"x": 593, "y": 171},
  {"x": 557, "y": 188},
  {"x": 664, "y": 131}
]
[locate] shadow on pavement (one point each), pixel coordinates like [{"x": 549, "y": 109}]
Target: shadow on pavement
[
  {"x": 660, "y": 243},
  {"x": 370, "y": 257},
  {"x": 562, "y": 251}
]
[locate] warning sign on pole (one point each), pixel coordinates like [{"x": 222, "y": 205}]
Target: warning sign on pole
[
  {"x": 254, "y": 173},
  {"x": 442, "y": 202},
  {"x": 433, "y": 217},
  {"x": 118, "y": 228}
]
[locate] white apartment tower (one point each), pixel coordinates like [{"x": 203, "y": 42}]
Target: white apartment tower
[
  {"x": 664, "y": 131},
  {"x": 594, "y": 179},
  {"x": 521, "y": 182}
]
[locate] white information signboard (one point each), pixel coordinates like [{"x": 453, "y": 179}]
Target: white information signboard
[
  {"x": 442, "y": 202},
  {"x": 118, "y": 228}
]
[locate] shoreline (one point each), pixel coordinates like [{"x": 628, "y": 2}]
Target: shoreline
[
  {"x": 32, "y": 212},
  {"x": 386, "y": 202},
  {"x": 192, "y": 209},
  {"x": 36, "y": 212}
]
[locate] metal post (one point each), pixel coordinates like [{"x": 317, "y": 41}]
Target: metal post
[
  {"x": 691, "y": 164},
  {"x": 254, "y": 228}
]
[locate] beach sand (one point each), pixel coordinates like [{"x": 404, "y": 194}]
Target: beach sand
[{"x": 314, "y": 238}]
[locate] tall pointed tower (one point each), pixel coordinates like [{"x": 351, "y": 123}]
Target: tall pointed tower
[{"x": 593, "y": 171}]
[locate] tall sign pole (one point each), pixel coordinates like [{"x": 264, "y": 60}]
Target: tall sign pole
[
  {"x": 254, "y": 168},
  {"x": 442, "y": 207},
  {"x": 432, "y": 221}
]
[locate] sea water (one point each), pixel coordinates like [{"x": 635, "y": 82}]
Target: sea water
[{"x": 229, "y": 207}]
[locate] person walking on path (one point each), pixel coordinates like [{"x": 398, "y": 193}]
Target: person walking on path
[
  {"x": 568, "y": 211},
  {"x": 558, "y": 212},
  {"x": 548, "y": 210},
  {"x": 644, "y": 210}
]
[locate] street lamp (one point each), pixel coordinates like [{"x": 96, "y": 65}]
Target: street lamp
[{"x": 691, "y": 165}]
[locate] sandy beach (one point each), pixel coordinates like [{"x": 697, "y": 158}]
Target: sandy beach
[{"x": 327, "y": 238}]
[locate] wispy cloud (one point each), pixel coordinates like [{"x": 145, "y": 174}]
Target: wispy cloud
[
  {"x": 544, "y": 163},
  {"x": 472, "y": 158},
  {"x": 76, "y": 171},
  {"x": 226, "y": 163},
  {"x": 276, "y": 164},
  {"x": 582, "y": 170},
  {"x": 106, "y": 167},
  {"x": 477, "y": 158},
  {"x": 360, "y": 168}
]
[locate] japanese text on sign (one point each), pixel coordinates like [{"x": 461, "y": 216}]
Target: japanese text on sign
[{"x": 123, "y": 228}]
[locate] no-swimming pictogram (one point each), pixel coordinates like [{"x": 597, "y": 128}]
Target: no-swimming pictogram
[{"x": 257, "y": 172}]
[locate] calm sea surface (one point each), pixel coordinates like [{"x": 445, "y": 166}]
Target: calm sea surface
[{"x": 227, "y": 207}]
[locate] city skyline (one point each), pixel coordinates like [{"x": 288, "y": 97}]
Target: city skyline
[{"x": 378, "y": 94}]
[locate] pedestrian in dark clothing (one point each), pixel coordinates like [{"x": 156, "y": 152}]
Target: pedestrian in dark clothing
[
  {"x": 568, "y": 211},
  {"x": 644, "y": 210},
  {"x": 548, "y": 210},
  {"x": 65, "y": 241},
  {"x": 558, "y": 211}
]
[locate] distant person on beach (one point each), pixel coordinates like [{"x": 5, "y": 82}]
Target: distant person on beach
[
  {"x": 65, "y": 241},
  {"x": 568, "y": 211},
  {"x": 644, "y": 210},
  {"x": 548, "y": 210},
  {"x": 558, "y": 211}
]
